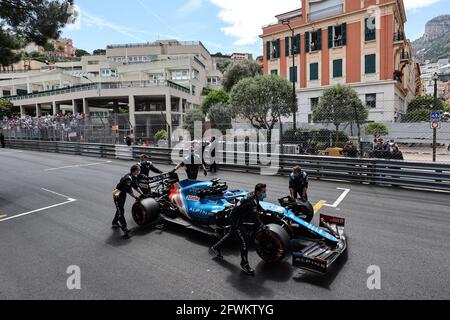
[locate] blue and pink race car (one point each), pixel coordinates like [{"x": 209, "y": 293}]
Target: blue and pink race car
[{"x": 205, "y": 206}]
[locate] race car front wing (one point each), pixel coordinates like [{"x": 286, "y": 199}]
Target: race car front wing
[{"x": 320, "y": 254}]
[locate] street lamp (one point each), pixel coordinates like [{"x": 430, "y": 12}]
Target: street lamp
[
  {"x": 287, "y": 22},
  {"x": 435, "y": 79}
]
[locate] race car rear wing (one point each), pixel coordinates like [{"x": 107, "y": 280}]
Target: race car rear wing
[
  {"x": 320, "y": 255},
  {"x": 171, "y": 177}
]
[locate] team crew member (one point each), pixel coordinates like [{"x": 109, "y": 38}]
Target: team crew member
[
  {"x": 147, "y": 166},
  {"x": 192, "y": 164},
  {"x": 248, "y": 209},
  {"x": 298, "y": 183},
  {"x": 124, "y": 187}
]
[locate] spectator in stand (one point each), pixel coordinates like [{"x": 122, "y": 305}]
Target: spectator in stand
[
  {"x": 350, "y": 150},
  {"x": 2, "y": 140},
  {"x": 397, "y": 154}
]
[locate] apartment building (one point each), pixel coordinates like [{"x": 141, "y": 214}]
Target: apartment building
[
  {"x": 360, "y": 43},
  {"x": 158, "y": 82}
]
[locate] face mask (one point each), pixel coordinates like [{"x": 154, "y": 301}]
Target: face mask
[{"x": 263, "y": 196}]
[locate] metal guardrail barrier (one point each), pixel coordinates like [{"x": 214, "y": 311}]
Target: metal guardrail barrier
[{"x": 368, "y": 171}]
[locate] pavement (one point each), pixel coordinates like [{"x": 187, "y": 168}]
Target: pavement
[{"x": 56, "y": 212}]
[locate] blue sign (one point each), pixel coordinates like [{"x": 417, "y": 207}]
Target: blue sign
[{"x": 436, "y": 116}]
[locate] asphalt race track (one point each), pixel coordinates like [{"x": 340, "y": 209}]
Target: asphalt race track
[{"x": 56, "y": 211}]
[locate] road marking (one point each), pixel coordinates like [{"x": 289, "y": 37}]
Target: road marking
[
  {"x": 79, "y": 166},
  {"x": 69, "y": 200},
  {"x": 3, "y": 216},
  {"x": 340, "y": 199},
  {"x": 319, "y": 206}
]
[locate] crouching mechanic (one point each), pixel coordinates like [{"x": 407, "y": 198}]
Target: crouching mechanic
[
  {"x": 298, "y": 183},
  {"x": 143, "y": 178},
  {"x": 124, "y": 187},
  {"x": 247, "y": 209}
]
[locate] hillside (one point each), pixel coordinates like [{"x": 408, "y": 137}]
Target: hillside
[{"x": 435, "y": 43}]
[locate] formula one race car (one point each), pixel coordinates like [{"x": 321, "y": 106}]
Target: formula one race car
[{"x": 205, "y": 206}]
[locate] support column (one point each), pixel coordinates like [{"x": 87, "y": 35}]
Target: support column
[
  {"x": 29, "y": 90},
  {"x": 74, "y": 106},
  {"x": 55, "y": 108},
  {"x": 132, "y": 111},
  {"x": 22, "y": 111},
  {"x": 38, "y": 110},
  {"x": 85, "y": 106},
  {"x": 181, "y": 113},
  {"x": 169, "y": 110}
]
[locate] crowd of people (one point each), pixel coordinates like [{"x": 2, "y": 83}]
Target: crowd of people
[
  {"x": 386, "y": 150},
  {"x": 67, "y": 120}
]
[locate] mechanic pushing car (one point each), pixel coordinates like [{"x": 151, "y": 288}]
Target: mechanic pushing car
[
  {"x": 247, "y": 209},
  {"x": 124, "y": 187},
  {"x": 192, "y": 164},
  {"x": 147, "y": 166},
  {"x": 298, "y": 183}
]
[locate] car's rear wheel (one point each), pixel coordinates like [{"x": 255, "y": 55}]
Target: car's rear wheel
[
  {"x": 146, "y": 212},
  {"x": 273, "y": 245},
  {"x": 305, "y": 210}
]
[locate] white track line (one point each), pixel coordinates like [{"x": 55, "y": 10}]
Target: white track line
[
  {"x": 69, "y": 200},
  {"x": 79, "y": 166},
  {"x": 340, "y": 199}
]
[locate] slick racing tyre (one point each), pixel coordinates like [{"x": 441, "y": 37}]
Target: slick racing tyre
[
  {"x": 146, "y": 212},
  {"x": 304, "y": 210},
  {"x": 273, "y": 245}
]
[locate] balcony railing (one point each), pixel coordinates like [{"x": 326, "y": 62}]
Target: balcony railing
[
  {"x": 102, "y": 86},
  {"x": 399, "y": 36}
]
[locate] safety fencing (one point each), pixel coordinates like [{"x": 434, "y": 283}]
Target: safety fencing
[{"x": 367, "y": 171}]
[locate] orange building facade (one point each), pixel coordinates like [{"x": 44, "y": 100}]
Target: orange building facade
[{"x": 361, "y": 43}]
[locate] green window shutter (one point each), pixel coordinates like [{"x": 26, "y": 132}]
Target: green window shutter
[
  {"x": 268, "y": 50},
  {"x": 344, "y": 34},
  {"x": 314, "y": 71},
  {"x": 287, "y": 50},
  {"x": 297, "y": 43},
  {"x": 274, "y": 72},
  {"x": 306, "y": 42},
  {"x": 330, "y": 37},
  {"x": 337, "y": 68},
  {"x": 293, "y": 74},
  {"x": 370, "y": 61},
  {"x": 319, "y": 39},
  {"x": 277, "y": 45}
]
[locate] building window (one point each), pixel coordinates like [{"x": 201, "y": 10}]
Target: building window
[
  {"x": 314, "y": 103},
  {"x": 276, "y": 49},
  {"x": 337, "y": 35},
  {"x": 314, "y": 71},
  {"x": 195, "y": 74},
  {"x": 292, "y": 44},
  {"x": 371, "y": 100},
  {"x": 293, "y": 74},
  {"x": 6, "y": 93},
  {"x": 370, "y": 64},
  {"x": 313, "y": 41},
  {"x": 93, "y": 62},
  {"x": 370, "y": 29},
  {"x": 180, "y": 75},
  {"x": 337, "y": 68},
  {"x": 274, "y": 72},
  {"x": 156, "y": 77}
]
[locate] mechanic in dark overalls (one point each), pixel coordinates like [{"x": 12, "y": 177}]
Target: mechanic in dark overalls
[
  {"x": 298, "y": 183},
  {"x": 192, "y": 164},
  {"x": 124, "y": 187},
  {"x": 247, "y": 209},
  {"x": 143, "y": 178}
]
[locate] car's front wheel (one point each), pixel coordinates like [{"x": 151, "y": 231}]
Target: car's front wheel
[{"x": 273, "y": 244}]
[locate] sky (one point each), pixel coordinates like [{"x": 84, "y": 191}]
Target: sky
[{"x": 225, "y": 26}]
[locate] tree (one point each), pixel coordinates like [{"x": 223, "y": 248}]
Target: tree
[
  {"x": 220, "y": 115},
  {"x": 80, "y": 53},
  {"x": 5, "y": 108},
  {"x": 340, "y": 104},
  {"x": 426, "y": 103},
  {"x": 49, "y": 47},
  {"x": 224, "y": 66},
  {"x": 263, "y": 100},
  {"x": 377, "y": 129},
  {"x": 240, "y": 70},
  {"x": 99, "y": 52},
  {"x": 161, "y": 135},
  {"x": 25, "y": 21},
  {"x": 214, "y": 97},
  {"x": 191, "y": 117}
]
